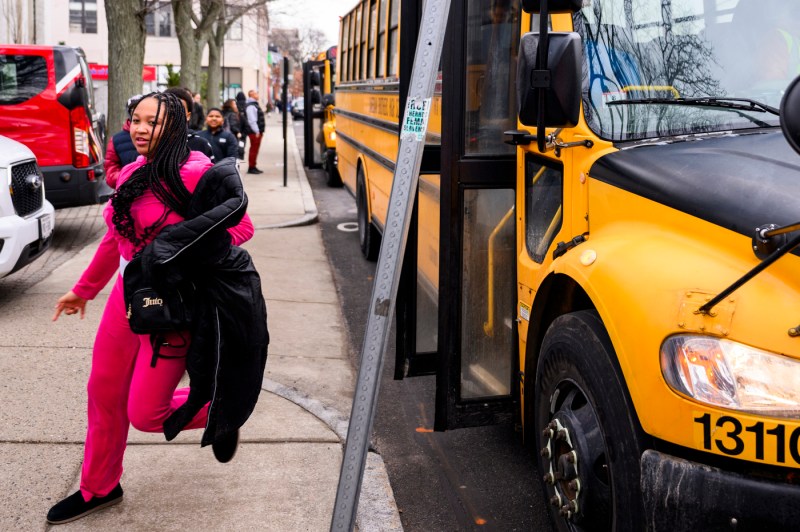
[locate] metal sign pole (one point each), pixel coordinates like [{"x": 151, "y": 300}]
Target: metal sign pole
[
  {"x": 387, "y": 274},
  {"x": 284, "y": 98}
]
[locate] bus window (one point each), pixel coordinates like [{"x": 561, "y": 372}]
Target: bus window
[
  {"x": 487, "y": 332},
  {"x": 373, "y": 30},
  {"x": 543, "y": 213},
  {"x": 428, "y": 264},
  {"x": 394, "y": 34},
  {"x": 380, "y": 46},
  {"x": 492, "y": 43},
  {"x": 357, "y": 44},
  {"x": 345, "y": 49},
  {"x": 364, "y": 43}
]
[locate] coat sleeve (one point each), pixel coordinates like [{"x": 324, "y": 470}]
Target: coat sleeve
[
  {"x": 232, "y": 146},
  {"x": 209, "y": 231},
  {"x": 104, "y": 265},
  {"x": 112, "y": 165},
  {"x": 242, "y": 232}
]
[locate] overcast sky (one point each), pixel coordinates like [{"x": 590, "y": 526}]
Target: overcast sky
[{"x": 303, "y": 14}]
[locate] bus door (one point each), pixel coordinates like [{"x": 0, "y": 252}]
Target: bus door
[
  {"x": 475, "y": 333},
  {"x": 418, "y": 295},
  {"x": 314, "y": 114}
]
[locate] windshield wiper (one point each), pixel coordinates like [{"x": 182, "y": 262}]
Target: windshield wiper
[{"x": 739, "y": 104}]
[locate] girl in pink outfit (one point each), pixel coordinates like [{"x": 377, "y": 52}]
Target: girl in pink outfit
[{"x": 123, "y": 388}]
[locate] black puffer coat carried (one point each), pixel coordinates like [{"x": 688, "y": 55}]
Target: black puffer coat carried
[{"x": 229, "y": 335}]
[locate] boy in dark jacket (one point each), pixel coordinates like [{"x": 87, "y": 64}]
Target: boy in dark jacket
[{"x": 223, "y": 143}]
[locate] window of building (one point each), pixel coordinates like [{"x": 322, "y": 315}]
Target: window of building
[
  {"x": 158, "y": 22},
  {"x": 83, "y": 16},
  {"x": 236, "y": 29}
]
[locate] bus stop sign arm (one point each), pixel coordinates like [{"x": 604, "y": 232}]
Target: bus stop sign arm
[{"x": 387, "y": 274}]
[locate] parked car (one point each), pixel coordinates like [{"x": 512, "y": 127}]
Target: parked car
[
  {"x": 27, "y": 219},
  {"x": 47, "y": 103},
  {"x": 298, "y": 108}
]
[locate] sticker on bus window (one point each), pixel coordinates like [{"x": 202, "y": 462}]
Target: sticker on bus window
[
  {"x": 524, "y": 311},
  {"x": 415, "y": 121}
]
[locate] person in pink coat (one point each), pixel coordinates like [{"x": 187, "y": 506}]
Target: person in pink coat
[{"x": 123, "y": 388}]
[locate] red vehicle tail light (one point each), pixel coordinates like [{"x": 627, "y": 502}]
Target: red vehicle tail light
[{"x": 80, "y": 125}]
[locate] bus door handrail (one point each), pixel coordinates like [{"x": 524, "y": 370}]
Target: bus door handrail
[{"x": 488, "y": 325}]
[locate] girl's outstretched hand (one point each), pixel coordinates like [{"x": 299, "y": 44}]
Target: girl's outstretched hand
[{"x": 70, "y": 303}]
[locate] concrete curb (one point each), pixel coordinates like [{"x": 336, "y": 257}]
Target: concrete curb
[
  {"x": 311, "y": 215},
  {"x": 377, "y": 509}
]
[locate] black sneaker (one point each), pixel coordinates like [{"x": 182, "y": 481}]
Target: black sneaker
[
  {"x": 254, "y": 170},
  {"x": 224, "y": 447},
  {"x": 74, "y": 507}
]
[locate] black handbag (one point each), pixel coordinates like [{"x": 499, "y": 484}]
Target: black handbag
[{"x": 152, "y": 310}]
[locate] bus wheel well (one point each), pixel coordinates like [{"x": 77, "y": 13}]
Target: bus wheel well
[{"x": 558, "y": 295}]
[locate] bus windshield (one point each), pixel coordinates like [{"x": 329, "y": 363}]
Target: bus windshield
[{"x": 643, "y": 58}]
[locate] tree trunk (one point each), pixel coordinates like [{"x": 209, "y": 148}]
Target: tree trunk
[
  {"x": 191, "y": 39},
  {"x": 126, "y": 36},
  {"x": 190, "y": 58},
  {"x": 214, "y": 74}
]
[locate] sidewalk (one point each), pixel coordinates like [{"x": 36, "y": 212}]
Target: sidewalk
[{"x": 285, "y": 474}]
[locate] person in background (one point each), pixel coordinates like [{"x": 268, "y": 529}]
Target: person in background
[
  {"x": 230, "y": 113},
  {"x": 198, "y": 115},
  {"x": 124, "y": 387},
  {"x": 222, "y": 142},
  {"x": 241, "y": 103},
  {"x": 255, "y": 130},
  {"x": 120, "y": 150},
  {"x": 196, "y": 142}
]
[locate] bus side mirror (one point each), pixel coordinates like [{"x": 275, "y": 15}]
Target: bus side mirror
[
  {"x": 559, "y": 84},
  {"x": 316, "y": 97},
  {"x": 553, "y": 6},
  {"x": 328, "y": 100},
  {"x": 790, "y": 114},
  {"x": 313, "y": 78}
]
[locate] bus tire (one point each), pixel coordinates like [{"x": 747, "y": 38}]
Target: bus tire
[
  {"x": 368, "y": 236},
  {"x": 588, "y": 440},
  {"x": 334, "y": 179}
]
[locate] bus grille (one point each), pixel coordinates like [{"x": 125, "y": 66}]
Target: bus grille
[{"x": 27, "y": 187}]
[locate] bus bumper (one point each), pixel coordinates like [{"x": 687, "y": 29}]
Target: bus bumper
[
  {"x": 683, "y": 495},
  {"x": 67, "y": 186}
]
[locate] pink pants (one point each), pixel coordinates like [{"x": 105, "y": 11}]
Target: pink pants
[{"x": 124, "y": 390}]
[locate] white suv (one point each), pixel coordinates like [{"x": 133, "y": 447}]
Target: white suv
[{"x": 26, "y": 218}]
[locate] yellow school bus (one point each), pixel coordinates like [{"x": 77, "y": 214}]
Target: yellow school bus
[
  {"x": 319, "y": 122},
  {"x": 604, "y": 247},
  {"x": 368, "y": 111}
]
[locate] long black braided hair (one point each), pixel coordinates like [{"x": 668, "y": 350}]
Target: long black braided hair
[{"x": 161, "y": 173}]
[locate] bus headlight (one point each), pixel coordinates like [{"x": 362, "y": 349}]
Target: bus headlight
[{"x": 732, "y": 375}]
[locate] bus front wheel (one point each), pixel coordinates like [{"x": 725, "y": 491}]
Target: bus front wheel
[
  {"x": 589, "y": 442},
  {"x": 368, "y": 236}
]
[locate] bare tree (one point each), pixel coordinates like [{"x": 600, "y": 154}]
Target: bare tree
[
  {"x": 288, "y": 43},
  {"x": 231, "y": 12},
  {"x": 312, "y": 42},
  {"x": 194, "y": 30},
  {"x": 126, "y": 37}
]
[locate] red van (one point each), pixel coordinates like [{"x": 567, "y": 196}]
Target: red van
[{"x": 47, "y": 103}]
